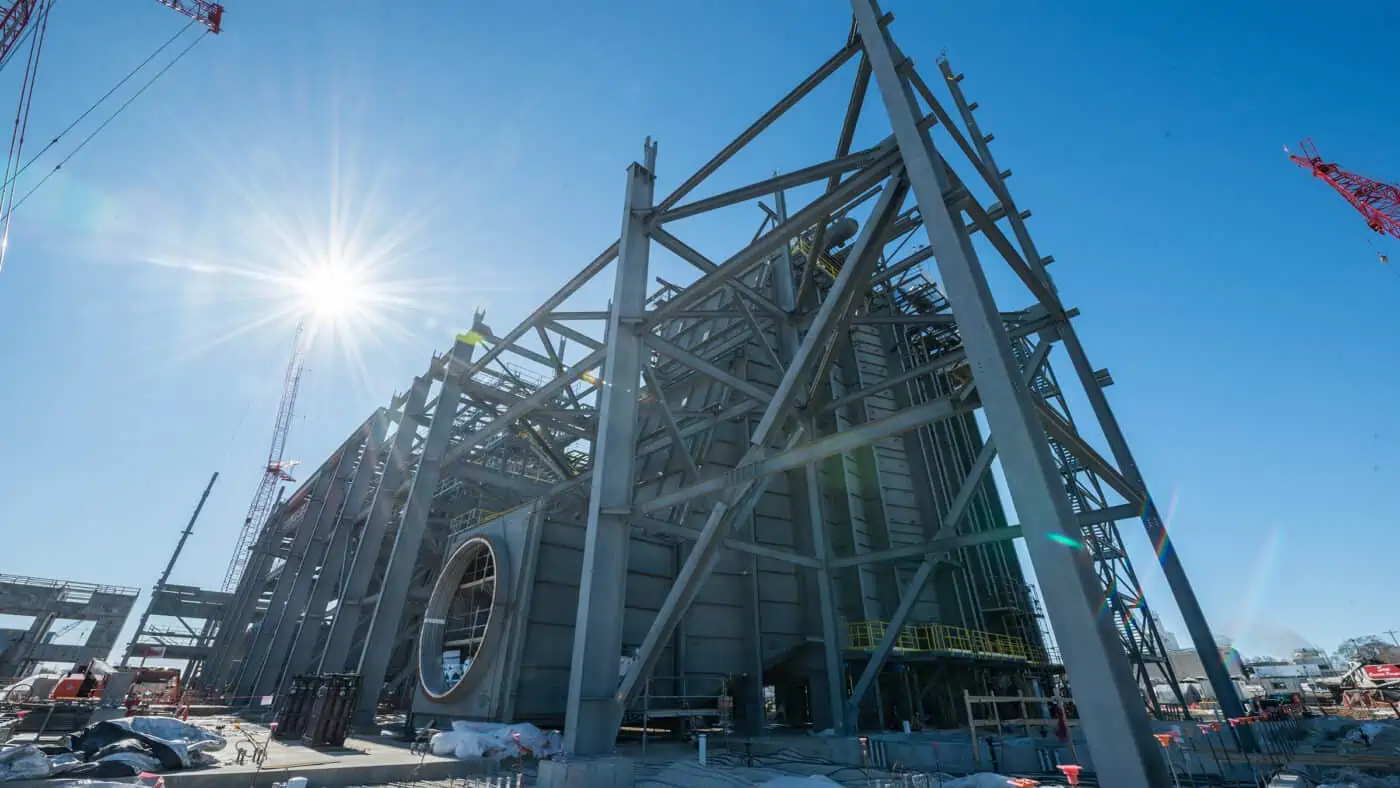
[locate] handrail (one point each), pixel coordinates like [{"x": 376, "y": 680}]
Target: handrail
[
  {"x": 65, "y": 585},
  {"x": 940, "y": 639}
]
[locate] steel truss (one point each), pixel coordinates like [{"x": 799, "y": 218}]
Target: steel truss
[{"x": 578, "y": 403}]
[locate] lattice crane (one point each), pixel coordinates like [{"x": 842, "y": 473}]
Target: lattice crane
[
  {"x": 15, "y": 18},
  {"x": 1378, "y": 202},
  {"x": 277, "y": 470}
]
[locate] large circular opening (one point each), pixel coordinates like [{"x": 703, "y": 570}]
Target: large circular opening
[{"x": 458, "y": 618}]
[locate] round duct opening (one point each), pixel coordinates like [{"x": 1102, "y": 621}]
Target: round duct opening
[{"x": 458, "y": 618}]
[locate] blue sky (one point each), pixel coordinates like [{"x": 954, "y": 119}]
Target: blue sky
[{"x": 477, "y": 153}]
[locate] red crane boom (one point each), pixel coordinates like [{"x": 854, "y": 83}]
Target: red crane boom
[
  {"x": 211, "y": 15},
  {"x": 276, "y": 470},
  {"x": 1378, "y": 202},
  {"x": 14, "y": 20},
  {"x": 15, "y": 17}
]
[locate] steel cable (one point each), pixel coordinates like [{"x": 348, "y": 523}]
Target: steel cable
[{"x": 105, "y": 123}]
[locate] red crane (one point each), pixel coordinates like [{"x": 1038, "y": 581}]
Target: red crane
[
  {"x": 15, "y": 17},
  {"x": 277, "y": 470},
  {"x": 1378, "y": 202},
  {"x": 29, "y": 19}
]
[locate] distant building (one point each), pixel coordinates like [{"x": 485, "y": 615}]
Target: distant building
[
  {"x": 1186, "y": 664},
  {"x": 1168, "y": 638}
]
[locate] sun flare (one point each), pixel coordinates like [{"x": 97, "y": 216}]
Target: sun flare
[{"x": 331, "y": 291}]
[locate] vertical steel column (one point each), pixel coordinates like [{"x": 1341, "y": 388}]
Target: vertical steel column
[
  {"x": 348, "y": 606},
  {"x": 1115, "y": 716},
  {"x": 302, "y": 656},
  {"x": 807, "y": 483},
  {"x": 314, "y": 557},
  {"x": 286, "y": 578},
  {"x": 592, "y": 715},
  {"x": 826, "y": 598},
  {"x": 383, "y": 633}
]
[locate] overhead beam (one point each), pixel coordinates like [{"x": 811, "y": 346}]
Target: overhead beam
[
  {"x": 944, "y": 544},
  {"x": 560, "y": 296},
  {"x": 828, "y": 169},
  {"x": 764, "y": 121},
  {"x": 848, "y": 440},
  {"x": 737, "y": 545},
  {"x": 679, "y": 354},
  {"x": 744, "y": 261},
  {"x": 687, "y": 253}
]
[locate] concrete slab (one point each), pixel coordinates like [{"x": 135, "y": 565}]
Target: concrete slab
[{"x": 606, "y": 772}]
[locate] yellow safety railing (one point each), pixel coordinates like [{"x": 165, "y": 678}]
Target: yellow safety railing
[
  {"x": 825, "y": 262},
  {"x": 938, "y": 639}
]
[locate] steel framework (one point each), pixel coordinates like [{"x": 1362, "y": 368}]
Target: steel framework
[{"x": 582, "y": 405}]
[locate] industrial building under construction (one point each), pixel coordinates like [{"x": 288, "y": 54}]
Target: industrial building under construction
[{"x": 756, "y": 485}]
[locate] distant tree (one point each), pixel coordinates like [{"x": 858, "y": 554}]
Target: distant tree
[{"x": 1368, "y": 648}]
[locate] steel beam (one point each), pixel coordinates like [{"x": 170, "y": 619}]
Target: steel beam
[
  {"x": 266, "y": 629},
  {"x": 592, "y": 709},
  {"x": 935, "y": 545},
  {"x": 1202, "y": 638},
  {"x": 220, "y": 670},
  {"x": 786, "y": 103},
  {"x": 302, "y": 656},
  {"x": 750, "y": 256},
  {"x": 737, "y": 545},
  {"x": 948, "y": 527},
  {"x": 737, "y": 505},
  {"x": 1105, "y": 691},
  {"x": 348, "y": 608},
  {"x": 307, "y": 563},
  {"x": 832, "y": 170},
  {"x": 855, "y": 438},
  {"x": 387, "y": 620},
  {"x": 678, "y": 447},
  {"x": 831, "y": 315},
  {"x": 684, "y": 251},
  {"x": 539, "y": 315},
  {"x": 744, "y": 484},
  {"x": 805, "y": 487},
  {"x": 705, "y": 367}
]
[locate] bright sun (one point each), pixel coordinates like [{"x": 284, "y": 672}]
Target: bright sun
[{"x": 331, "y": 291}]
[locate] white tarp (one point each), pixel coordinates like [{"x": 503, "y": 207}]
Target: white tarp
[{"x": 494, "y": 740}]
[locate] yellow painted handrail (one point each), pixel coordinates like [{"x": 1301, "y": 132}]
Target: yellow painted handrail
[{"x": 938, "y": 639}]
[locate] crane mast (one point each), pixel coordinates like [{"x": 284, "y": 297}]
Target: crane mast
[
  {"x": 14, "y": 18},
  {"x": 276, "y": 470}
]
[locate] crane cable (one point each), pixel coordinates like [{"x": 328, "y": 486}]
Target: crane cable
[
  {"x": 6, "y": 217},
  {"x": 100, "y": 101},
  {"x": 26, "y": 101}
]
